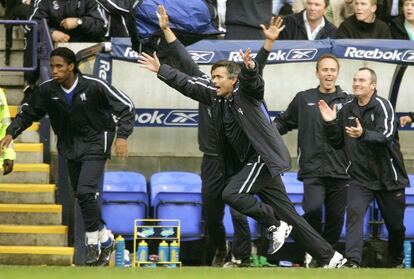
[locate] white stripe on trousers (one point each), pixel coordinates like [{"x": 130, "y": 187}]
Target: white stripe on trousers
[{"x": 251, "y": 174}]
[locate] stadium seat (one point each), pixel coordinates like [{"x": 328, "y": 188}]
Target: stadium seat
[
  {"x": 177, "y": 195},
  {"x": 228, "y": 225},
  {"x": 124, "y": 199},
  {"x": 294, "y": 190},
  {"x": 408, "y": 216}
]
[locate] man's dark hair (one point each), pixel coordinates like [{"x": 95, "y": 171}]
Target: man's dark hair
[
  {"x": 233, "y": 69},
  {"x": 67, "y": 55},
  {"x": 326, "y": 56},
  {"x": 372, "y": 73}
]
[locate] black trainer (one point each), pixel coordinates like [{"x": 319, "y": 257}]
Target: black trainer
[
  {"x": 92, "y": 254},
  {"x": 277, "y": 236},
  {"x": 105, "y": 255},
  {"x": 351, "y": 264}
]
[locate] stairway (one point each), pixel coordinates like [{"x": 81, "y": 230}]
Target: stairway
[{"x": 31, "y": 230}]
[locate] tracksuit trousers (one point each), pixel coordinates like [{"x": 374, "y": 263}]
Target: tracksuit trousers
[{"x": 274, "y": 205}]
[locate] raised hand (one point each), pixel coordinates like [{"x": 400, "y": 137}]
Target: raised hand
[
  {"x": 162, "y": 15},
  {"x": 247, "y": 59},
  {"x": 355, "y": 132},
  {"x": 327, "y": 113},
  {"x": 149, "y": 62},
  {"x": 405, "y": 120},
  {"x": 275, "y": 27}
]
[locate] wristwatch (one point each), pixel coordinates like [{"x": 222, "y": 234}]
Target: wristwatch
[{"x": 79, "y": 21}]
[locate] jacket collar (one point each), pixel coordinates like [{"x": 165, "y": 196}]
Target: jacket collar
[{"x": 371, "y": 104}]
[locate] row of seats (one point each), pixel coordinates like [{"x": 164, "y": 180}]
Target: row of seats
[{"x": 177, "y": 195}]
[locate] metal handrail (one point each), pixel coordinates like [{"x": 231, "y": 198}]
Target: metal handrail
[{"x": 34, "y": 47}]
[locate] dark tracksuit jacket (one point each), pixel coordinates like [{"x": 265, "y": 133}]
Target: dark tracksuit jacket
[
  {"x": 94, "y": 22},
  {"x": 251, "y": 113},
  {"x": 375, "y": 158},
  {"x": 86, "y": 128},
  {"x": 295, "y": 28},
  {"x": 316, "y": 157}
]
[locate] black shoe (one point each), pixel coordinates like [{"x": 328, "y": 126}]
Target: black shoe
[
  {"x": 237, "y": 263},
  {"x": 92, "y": 254},
  {"x": 219, "y": 258},
  {"x": 105, "y": 255},
  {"x": 351, "y": 264}
]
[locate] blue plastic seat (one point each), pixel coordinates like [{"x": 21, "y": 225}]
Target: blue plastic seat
[
  {"x": 124, "y": 199},
  {"x": 177, "y": 195},
  {"x": 228, "y": 225}
]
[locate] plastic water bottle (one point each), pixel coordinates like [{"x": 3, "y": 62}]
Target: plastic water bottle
[
  {"x": 143, "y": 251},
  {"x": 163, "y": 251},
  {"x": 174, "y": 251},
  {"x": 119, "y": 252},
  {"x": 407, "y": 254}
]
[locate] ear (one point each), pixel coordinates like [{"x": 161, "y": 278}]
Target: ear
[
  {"x": 233, "y": 81},
  {"x": 71, "y": 67}
]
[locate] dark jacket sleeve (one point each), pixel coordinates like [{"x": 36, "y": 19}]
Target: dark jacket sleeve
[
  {"x": 122, "y": 107},
  {"x": 288, "y": 120},
  {"x": 184, "y": 62},
  {"x": 385, "y": 124},
  {"x": 261, "y": 59},
  {"x": 119, "y": 7},
  {"x": 334, "y": 131},
  {"x": 32, "y": 111},
  {"x": 39, "y": 11},
  {"x": 94, "y": 20},
  {"x": 196, "y": 88},
  {"x": 251, "y": 83}
]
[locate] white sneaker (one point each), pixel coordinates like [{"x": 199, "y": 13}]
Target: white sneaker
[
  {"x": 307, "y": 260},
  {"x": 277, "y": 236},
  {"x": 337, "y": 261}
]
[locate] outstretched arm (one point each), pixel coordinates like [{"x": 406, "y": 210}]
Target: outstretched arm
[
  {"x": 251, "y": 83},
  {"x": 196, "y": 88},
  {"x": 271, "y": 34}
]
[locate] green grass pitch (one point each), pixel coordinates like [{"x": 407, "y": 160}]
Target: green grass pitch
[{"x": 48, "y": 272}]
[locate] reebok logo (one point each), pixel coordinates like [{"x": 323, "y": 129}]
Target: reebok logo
[
  {"x": 201, "y": 57},
  {"x": 392, "y": 55},
  {"x": 301, "y": 54}
]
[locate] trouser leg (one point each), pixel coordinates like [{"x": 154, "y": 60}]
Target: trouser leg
[
  {"x": 313, "y": 198},
  {"x": 274, "y": 194},
  {"x": 335, "y": 203},
  {"x": 392, "y": 207},
  {"x": 85, "y": 177},
  {"x": 359, "y": 198},
  {"x": 238, "y": 194},
  {"x": 242, "y": 245},
  {"x": 213, "y": 183}
]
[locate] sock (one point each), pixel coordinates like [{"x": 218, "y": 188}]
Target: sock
[
  {"x": 105, "y": 237},
  {"x": 92, "y": 237}
]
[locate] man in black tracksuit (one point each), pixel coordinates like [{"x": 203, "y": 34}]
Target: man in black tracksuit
[
  {"x": 68, "y": 21},
  {"x": 367, "y": 129},
  {"x": 243, "y": 127},
  {"x": 81, "y": 109},
  {"x": 321, "y": 167},
  {"x": 213, "y": 171}
]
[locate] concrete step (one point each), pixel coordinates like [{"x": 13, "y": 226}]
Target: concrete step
[
  {"x": 30, "y": 135},
  {"x": 28, "y": 173},
  {"x": 29, "y": 152},
  {"x": 14, "y": 94},
  {"x": 33, "y": 235},
  {"x": 36, "y": 255},
  {"x": 16, "y": 60},
  {"x": 27, "y": 193},
  {"x": 31, "y": 214}
]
